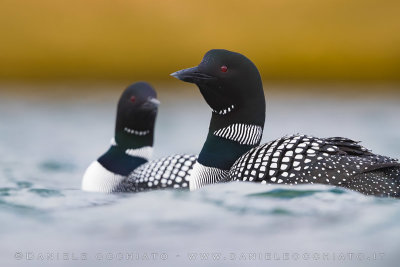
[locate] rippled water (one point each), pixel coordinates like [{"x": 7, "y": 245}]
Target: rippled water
[{"x": 47, "y": 142}]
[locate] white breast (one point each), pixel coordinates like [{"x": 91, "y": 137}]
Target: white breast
[{"x": 99, "y": 179}]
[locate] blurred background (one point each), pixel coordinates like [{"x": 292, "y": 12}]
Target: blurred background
[{"x": 126, "y": 40}]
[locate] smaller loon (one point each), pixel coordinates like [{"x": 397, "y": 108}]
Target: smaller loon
[
  {"x": 132, "y": 144},
  {"x": 231, "y": 85}
]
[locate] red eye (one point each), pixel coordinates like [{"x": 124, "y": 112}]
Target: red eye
[
  {"x": 133, "y": 99},
  {"x": 224, "y": 68}
]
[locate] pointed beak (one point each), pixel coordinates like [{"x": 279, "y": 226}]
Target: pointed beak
[
  {"x": 152, "y": 103},
  {"x": 192, "y": 75}
]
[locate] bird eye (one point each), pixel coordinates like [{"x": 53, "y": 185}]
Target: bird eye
[
  {"x": 133, "y": 99},
  {"x": 224, "y": 68}
]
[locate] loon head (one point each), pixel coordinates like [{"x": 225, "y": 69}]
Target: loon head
[
  {"x": 229, "y": 82},
  {"x": 136, "y": 116}
]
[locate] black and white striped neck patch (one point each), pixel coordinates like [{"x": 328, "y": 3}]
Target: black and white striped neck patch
[
  {"x": 202, "y": 175},
  {"x": 244, "y": 134}
]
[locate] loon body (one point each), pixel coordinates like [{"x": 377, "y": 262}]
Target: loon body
[
  {"x": 300, "y": 159},
  {"x": 168, "y": 172},
  {"x": 231, "y": 85},
  {"x": 132, "y": 144}
]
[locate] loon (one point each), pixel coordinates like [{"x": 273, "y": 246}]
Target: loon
[
  {"x": 231, "y": 85},
  {"x": 132, "y": 144},
  {"x": 125, "y": 167}
]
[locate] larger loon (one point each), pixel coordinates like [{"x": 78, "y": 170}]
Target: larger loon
[
  {"x": 132, "y": 144},
  {"x": 231, "y": 85}
]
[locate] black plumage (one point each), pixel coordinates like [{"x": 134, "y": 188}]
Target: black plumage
[
  {"x": 229, "y": 79},
  {"x": 300, "y": 159}
]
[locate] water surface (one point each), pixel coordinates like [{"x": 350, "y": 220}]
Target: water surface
[{"x": 47, "y": 142}]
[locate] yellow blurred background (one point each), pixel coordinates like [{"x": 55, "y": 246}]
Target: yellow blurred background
[{"x": 127, "y": 40}]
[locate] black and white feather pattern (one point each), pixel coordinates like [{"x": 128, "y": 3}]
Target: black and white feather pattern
[
  {"x": 168, "y": 172},
  {"x": 244, "y": 134},
  {"x": 300, "y": 159},
  {"x": 203, "y": 175}
]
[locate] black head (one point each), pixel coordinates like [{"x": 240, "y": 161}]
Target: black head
[
  {"x": 136, "y": 115},
  {"x": 228, "y": 82}
]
